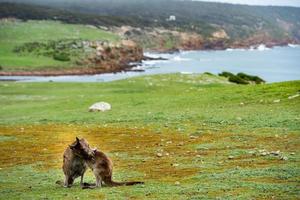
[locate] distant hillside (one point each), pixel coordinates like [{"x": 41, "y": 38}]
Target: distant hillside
[
  {"x": 36, "y": 12},
  {"x": 39, "y": 45},
  {"x": 239, "y": 21}
]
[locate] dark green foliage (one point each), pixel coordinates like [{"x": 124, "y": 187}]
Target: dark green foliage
[
  {"x": 29, "y": 47},
  {"x": 242, "y": 78},
  {"x": 247, "y": 77},
  {"x": 239, "y": 21},
  {"x": 238, "y": 80},
  {"x": 1, "y": 67},
  {"x": 33, "y": 12},
  {"x": 226, "y": 74},
  {"x": 61, "y": 56},
  {"x": 60, "y": 50}
]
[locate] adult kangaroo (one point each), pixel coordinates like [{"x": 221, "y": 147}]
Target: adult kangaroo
[
  {"x": 74, "y": 161},
  {"x": 102, "y": 167}
]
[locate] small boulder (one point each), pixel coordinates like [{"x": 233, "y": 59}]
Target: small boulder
[
  {"x": 100, "y": 106},
  {"x": 193, "y": 137},
  {"x": 159, "y": 154}
]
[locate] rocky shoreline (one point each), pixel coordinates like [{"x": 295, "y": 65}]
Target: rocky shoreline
[
  {"x": 224, "y": 44},
  {"x": 105, "y": 58},
  {"x": 127, "y": 55}
]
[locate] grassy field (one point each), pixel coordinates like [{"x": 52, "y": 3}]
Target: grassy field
[
  {"x": 217, "y": 140},
  {"x": 13, "y": 34}
]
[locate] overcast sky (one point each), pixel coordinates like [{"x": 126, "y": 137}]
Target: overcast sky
[{"x": 261, "y": 2}]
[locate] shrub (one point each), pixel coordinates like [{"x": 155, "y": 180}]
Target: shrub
[
  {"x": 238, "y": 80},
  {"x": 61, "y": 56},
  {"x": 226, "y": 74},
  {"x": 248, "y": 77},
  {"x": 258, "y": 80},
  {"x": 1, "y": 67},
  {"x": 242, "y": 78}
]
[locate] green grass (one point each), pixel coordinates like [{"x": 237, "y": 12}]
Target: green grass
[
  {"x": 14, "y": 34},
  {"x": 155, "y": 99},
  {"x": 230, "y": 123}
]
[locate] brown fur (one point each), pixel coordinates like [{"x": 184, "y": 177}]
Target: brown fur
[
  {"x": 102, "y": 168},
  {"x": 74, "y": 164}
]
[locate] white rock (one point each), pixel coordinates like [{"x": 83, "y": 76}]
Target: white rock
[
  {"x": 100, "y": 106},
  {"x": 159, "y": 155},
  {"x": 276, "y": 101}
]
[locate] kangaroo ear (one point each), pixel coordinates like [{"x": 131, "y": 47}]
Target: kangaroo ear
[{"x": 77, "y": 139}]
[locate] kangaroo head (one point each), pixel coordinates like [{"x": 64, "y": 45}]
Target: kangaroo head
[{"x": 82, "y": 148}]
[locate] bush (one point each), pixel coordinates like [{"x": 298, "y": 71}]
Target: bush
[
  {"x": 1, "y": 67},
  {"x": 258, "y": 80},
  {"x": 61, "y": 56},
  {"x": 247, "y": 77},
  {"x": 226, "y": 74},
  {"x": 242, "y": 78},
  {"x": 238, "y": 80}
]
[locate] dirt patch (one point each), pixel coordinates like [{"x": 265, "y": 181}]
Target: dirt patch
[
  {"x": 135, "y": 149},
  {"x": 167, "y": 156}
]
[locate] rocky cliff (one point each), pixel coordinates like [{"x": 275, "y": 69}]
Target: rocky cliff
[
  {"x": 102, "y": 57},
  {"x": 164, "y": 40}
]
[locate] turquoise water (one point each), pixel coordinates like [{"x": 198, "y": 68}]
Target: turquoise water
[{"x": 273, "y": 65}]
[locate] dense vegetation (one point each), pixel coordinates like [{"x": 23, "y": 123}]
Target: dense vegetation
[
  {"x": 242, "y": 78},
  {"x": 238, "y": 20},
  {"x": 32, "y": 12}
]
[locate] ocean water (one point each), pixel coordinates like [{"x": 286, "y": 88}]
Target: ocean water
[{"x": 273, "y": 65}]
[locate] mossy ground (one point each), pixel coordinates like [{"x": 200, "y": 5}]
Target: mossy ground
[{"x": 210, "y": 134}]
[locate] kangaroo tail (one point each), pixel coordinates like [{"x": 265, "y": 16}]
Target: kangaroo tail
[
  {"x": 113, "y": 183},
  {"x": 110, "y": 182}
]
